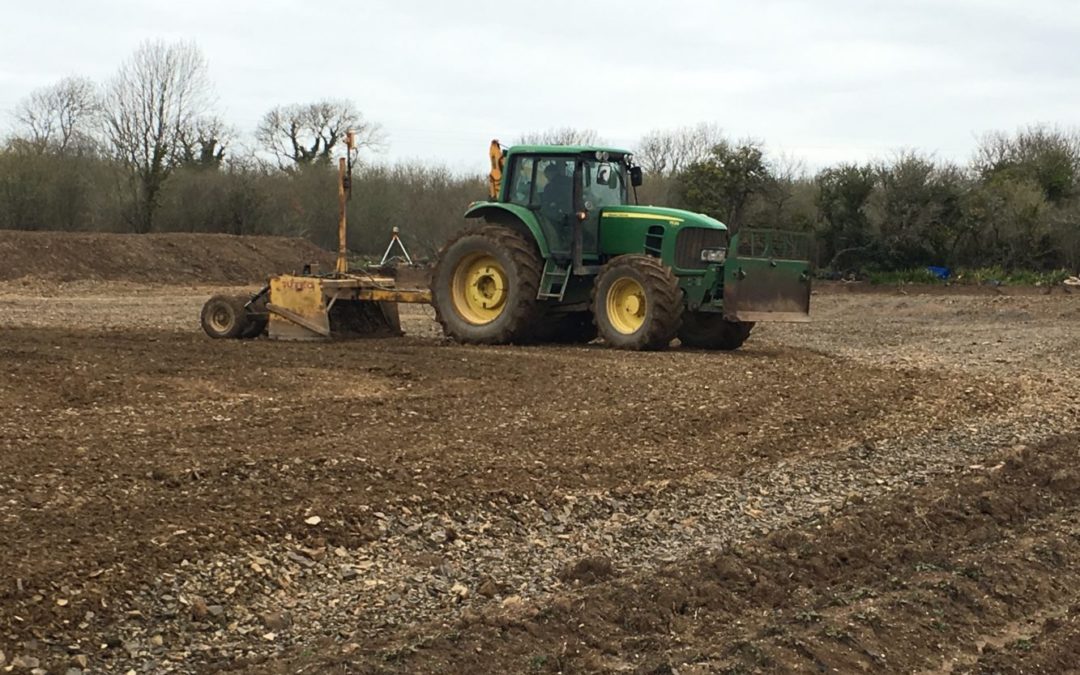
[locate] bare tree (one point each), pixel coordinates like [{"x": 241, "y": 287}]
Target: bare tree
[
  {"x": 203, "y": 145},
  {"x": 155, "y": 100},
  {"x": 561, "y": 136},
  {"x": 60, "y": 117},
  {"x": 786, "y": 172},
  {"x": 302, "y": 135},
  {"x": 667, "y": 152}
]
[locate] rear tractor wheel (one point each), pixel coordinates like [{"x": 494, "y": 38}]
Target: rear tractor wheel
[
  {"x": 637, "y": 303},
  {"x": 223, "y": 317},
  {"x": 704, "y": 330},
  {"x": 484, "y": 286}
]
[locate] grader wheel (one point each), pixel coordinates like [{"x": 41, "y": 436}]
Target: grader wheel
[
  {"x": 712, "y": 331},
  {"x": 484, "y": 286},
  {"x": 637, "y": 303},
  {"x": 223, "y": 317}
]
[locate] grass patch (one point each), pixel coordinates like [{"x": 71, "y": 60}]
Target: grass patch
[
  {"x": 979, "y": 276},
  {"x": 897, "y": 277}
]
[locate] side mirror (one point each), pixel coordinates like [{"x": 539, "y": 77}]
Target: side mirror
[
  {"x": 636, "y": 179},
  {"x": 603, "y": 175}
]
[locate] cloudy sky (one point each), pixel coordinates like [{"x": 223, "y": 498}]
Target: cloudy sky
[{"x": 826, "y": 80}]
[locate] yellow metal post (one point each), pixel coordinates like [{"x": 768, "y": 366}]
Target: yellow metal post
[
  {"x": 342, "y": 264},
  {"x": 495, "y": 153}
]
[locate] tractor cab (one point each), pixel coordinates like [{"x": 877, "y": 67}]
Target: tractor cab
[{"x": 567, "y": 188}]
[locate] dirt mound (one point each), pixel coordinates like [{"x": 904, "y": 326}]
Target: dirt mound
[{"x": 155, "y": 258}]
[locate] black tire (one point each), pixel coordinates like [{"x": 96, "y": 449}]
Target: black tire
[
  {"x": 257, "y": 317},
  {"x": 705, "y": 330},
  {"x": 515, "y": 301},
  {"x": 661, "y": 315},
  {"x": 565, "y": 328},
  {"x": 223, "y": 317},
  {"x": 393, "y": 317}
]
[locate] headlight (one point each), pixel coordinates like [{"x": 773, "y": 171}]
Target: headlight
[{"x": 713, "y": 255}]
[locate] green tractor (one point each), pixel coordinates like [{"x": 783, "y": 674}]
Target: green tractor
[{"x": 562, "y": 254}]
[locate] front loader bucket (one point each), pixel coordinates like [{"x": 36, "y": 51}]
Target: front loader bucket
[{"x": 767, "y": 276}]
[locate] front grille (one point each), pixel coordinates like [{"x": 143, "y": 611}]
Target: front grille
[{"x": 691, "y": 240}]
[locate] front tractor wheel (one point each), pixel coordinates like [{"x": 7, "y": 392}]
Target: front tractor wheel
[
  {"x": 484, "y": 285},
  {"x": 223, "y": 317},
  {"x": 637, "y": 303},
  {"x": 702, "y": 330}
]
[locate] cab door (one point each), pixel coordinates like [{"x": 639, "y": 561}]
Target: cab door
[
  {"x": 545, "y": 186},
  {"x": 603, "y": 185},
  {"x": 554, "y": 202}
]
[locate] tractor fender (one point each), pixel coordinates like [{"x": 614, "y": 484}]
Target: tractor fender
[{"x": 513, "y": 216}]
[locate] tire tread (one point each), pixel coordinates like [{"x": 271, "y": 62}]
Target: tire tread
[
  {"x": 524, "y": 257},
  {"x": 661, "y": 286}
]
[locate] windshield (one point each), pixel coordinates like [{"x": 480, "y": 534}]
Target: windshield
[{"x": 604, "y": 183}]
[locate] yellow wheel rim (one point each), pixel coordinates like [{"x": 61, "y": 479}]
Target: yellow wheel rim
[
  {"x": 626, "y": 305},
  {"x": 479, "y": 289}
]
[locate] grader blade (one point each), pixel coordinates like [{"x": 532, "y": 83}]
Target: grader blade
[
  {"x": 319, "y": 308},
  {"x": 364, "y": 318}
]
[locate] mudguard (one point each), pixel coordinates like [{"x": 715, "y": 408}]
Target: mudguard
[{"x": 512, "y": 215}]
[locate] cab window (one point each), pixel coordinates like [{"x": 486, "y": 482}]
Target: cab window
[
  {"x": 522, "y": 180},
  {"x": 605, "y": 185}
]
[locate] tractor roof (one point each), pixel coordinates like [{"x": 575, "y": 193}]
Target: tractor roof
[{"x": 565, "y": 149}]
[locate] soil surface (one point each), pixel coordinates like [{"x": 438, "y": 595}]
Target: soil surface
[{"x": 891, "y": 488}]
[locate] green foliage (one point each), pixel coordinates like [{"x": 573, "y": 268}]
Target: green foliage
[
  {"x": 723, "y": 184},
  {"x": 844, "y": 228},
  {"x": 915, "y": 212},
  {"x": 1045, "y": 157},
  {"x": 898, "y": 277},
  {"x": 1012, "y": 277},
  {"x": 991, "y": 276},
  {"x": 1021, "y": 644}
]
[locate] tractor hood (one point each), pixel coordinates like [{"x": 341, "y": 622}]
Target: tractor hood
[{"x": 673, "y": 217}]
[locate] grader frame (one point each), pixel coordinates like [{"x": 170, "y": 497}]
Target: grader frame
[{"x": 313, "y": 306}]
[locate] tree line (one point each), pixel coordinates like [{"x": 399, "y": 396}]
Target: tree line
[{"x": 146, "y": 152}]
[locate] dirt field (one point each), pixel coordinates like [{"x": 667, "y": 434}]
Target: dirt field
[{"x": 893, "y": 488}]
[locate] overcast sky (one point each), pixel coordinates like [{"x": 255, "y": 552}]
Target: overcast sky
[{"x": 825, "y": 80}]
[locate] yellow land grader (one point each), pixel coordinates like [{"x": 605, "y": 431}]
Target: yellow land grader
[{"x": 314, "y": 306}]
